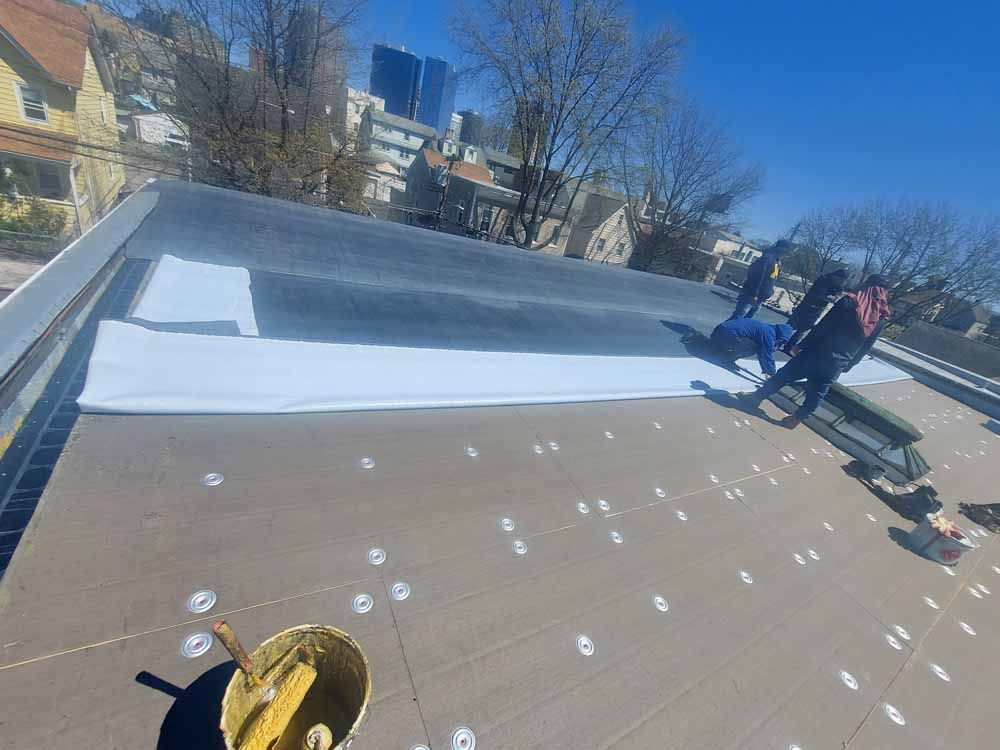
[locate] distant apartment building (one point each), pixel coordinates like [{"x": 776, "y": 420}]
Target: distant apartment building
[
  {"x": 454, "y": 130},
  {"x": 437, "y": 94},
  {"x": 58, "y": 127},
  {"x": 395, "y": 78},
  {"x": 473, "y": 127},
  {"x": 396, "y": 137}
]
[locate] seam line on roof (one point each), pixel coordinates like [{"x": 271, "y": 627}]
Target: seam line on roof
[
  {"x": 406, "y": 662},
  {"x": 214, "y": 616}
]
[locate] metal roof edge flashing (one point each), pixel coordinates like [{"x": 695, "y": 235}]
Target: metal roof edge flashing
[{"x": 31, "y": 309}]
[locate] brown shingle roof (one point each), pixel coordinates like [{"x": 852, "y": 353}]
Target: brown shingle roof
[
  {"x": 53, "y": 35},
  {"x": 462, "y": 168},
  {"x": 42, "y": 144}
]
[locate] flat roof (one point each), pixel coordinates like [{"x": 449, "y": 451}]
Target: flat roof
[{"x": 738, "y": 588}]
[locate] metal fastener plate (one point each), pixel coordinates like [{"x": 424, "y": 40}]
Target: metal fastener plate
[
  {"x": 616, "y": 537},
  {"x": 463, "y": 739},
  {"x": 400, "y": 591},
  {"x": 604, "y": 505},
  {"x": 902, "y": 632},
  {"x": 584, "y": 645},
  {"x": 848, "y": 679},
  {"x": 196, "y": 644},
  {"x": 583, "y": 507},
  {"x": 376, "y": 555},
  {"x": 746, "y": 577},
  {"x": 893, "y": 713},
  {"x": 367, "y": 462},
  {"x": 212, "y": 479},
  {"x": 520, "y": 548},
  {"x": 940, "y": 672},
  {"x": 362, "y": 603},
  {"x": 201, "y": 601},
  {"x": 507, "y": 524},
  {"x": 967, "y": 628},
  {"x": 660, "y": 603}
]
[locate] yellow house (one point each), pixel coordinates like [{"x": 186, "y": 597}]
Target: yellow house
[{"x": 57, "y": 112}]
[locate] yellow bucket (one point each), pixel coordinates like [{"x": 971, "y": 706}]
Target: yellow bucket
[{"x": 338, "y": 698}]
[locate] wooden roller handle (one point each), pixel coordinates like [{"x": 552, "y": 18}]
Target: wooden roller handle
[{"x": 228, "y": 638}]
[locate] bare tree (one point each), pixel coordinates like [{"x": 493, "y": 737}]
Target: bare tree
[
  {"x": 263, "y": 125},
  {"x": 573, "y": 76},
  {"x": 680, "y": 172},
  {"x": 934, "y": 258},
  {"x": 824, "y": 240}
]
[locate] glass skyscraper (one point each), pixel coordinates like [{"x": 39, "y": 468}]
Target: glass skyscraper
[
  {"x": 437, "y": 94},
  {"x": 395, "y": 75}
]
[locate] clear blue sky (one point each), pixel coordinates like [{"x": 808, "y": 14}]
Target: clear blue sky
[{"x": 838, "y": 101}]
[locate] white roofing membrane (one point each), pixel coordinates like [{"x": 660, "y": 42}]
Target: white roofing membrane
[
  {"x": 137, "y": 370},
  {"x": 183, "y": 291}
]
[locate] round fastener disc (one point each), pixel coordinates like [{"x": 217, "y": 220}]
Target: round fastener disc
[
  {"x": 975, "y": 592},
  {"x": 828, "y": 526},
  {"x": 793, "y": 746},
  {"x": 420, "y": 747},
  {"x": 982, "y": 588},
  {"x": 755, "y": 467},
  {"x": 746, "y": 577},
  {"x": 463, "y": 739},
  {"x": 609, "y": 435},
  {"x": 471, "y": 452},
  {"x": 806, "y": 470},
  {"x": 714, "y": 479},
  {"x": 746, "y": 422},
  {"x": 196, "y": 644},
  {"x": 891, "y": 640},
  {"x": 538, "y": 449},
  {"x": 616, "y": 537},
  {"x": 660, "y": 492},
  {"x": 931, "y": 603},
  {"x": 657, "y": 425},
  {"x": 367, "y": 462},
  {"x": 201, "y": 601},
  {"x": 730, "y": 495},
  {"x": 967, "y": 628},
  {"x": 520, "y": 548},
  {"x": 738, "y": 492},
  {"x": 604, "y": 505},
  {"x": 212, "y": 479},
  {"x": 893, "y": 713},
  {"x": 710, "y": 430},
  {"x": 996, "y": 569},
  {"x": 553, "y": 445},
  {"x": 785, "y": 458},
  {"x": 848, "y": 679},
  {"x": 871, "y": 518},
  {"x": 813, "y": 554},
  {"x": 799, "y": 559},
  {"x": 583, "y": 507},
  {"x": 584, "y": 645},
  {"x": 940, "y": 672},
  {"x": 902, "y": 632},
  {"x": 362, "y": 603},
  {"x": 948, "y": 570},
  {"x": 791, "y": 456},
  {"x": 507, "y": 524},
  {"x": 660, "y": 603},
  {"x": 376, "y": 555},
  {"x": 681, "y": 515},
  {"x": 400, "y": 591},
  {"x": 773, "y": 481}
]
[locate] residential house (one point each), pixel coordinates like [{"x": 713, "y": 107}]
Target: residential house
[
  {"x": 969, "y": 319},
  {"x": 393, "y": 135},
  {"x": 356, "y": 102},
  {"x": 600, "y": 230},
  {"x": 160, "y": 129},
  {"x": 503, "y": 167},
  {"x": 58, "y": 129},
  {"x": 384, "y": 183}
]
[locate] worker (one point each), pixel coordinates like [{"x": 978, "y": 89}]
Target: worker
[
  {"x": 759, "y": 283},
  {"x": 837, "y": 343},
  {"x": 744, "y": 337},
  {"x": 824, "y": 291}
]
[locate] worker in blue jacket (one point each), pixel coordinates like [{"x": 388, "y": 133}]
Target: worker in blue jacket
[
  {"x": 759, "y": 283},
  {"x": 743, "y": 337}
]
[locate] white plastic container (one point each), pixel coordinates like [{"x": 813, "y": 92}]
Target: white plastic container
[{"x": 947, "y": 550}]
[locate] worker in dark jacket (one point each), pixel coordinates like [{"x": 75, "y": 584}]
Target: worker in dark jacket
[
  {"x": 835, "y": 345},
  {"x": 759, "y": 283},
  {"x": 825, "y": 290},
  {"x": 744, "y": 337}
]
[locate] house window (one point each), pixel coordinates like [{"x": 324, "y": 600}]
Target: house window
[
  {"x": 620, "y": 250},
  {"x": 487, "y": 220},
  {"x": 600, "y": 245},
  {"x": 33, "y": 106},
  {"x": 50, "y": 183},
  {"x": 556, "y": 234},
  {"x": 104, "y": 113},
  {"x": 111, "y": 170},
  {"x": 621, "y": 220}
]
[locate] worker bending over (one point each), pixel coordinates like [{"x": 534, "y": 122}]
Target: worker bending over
[{"x": 744, "y": 337}]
